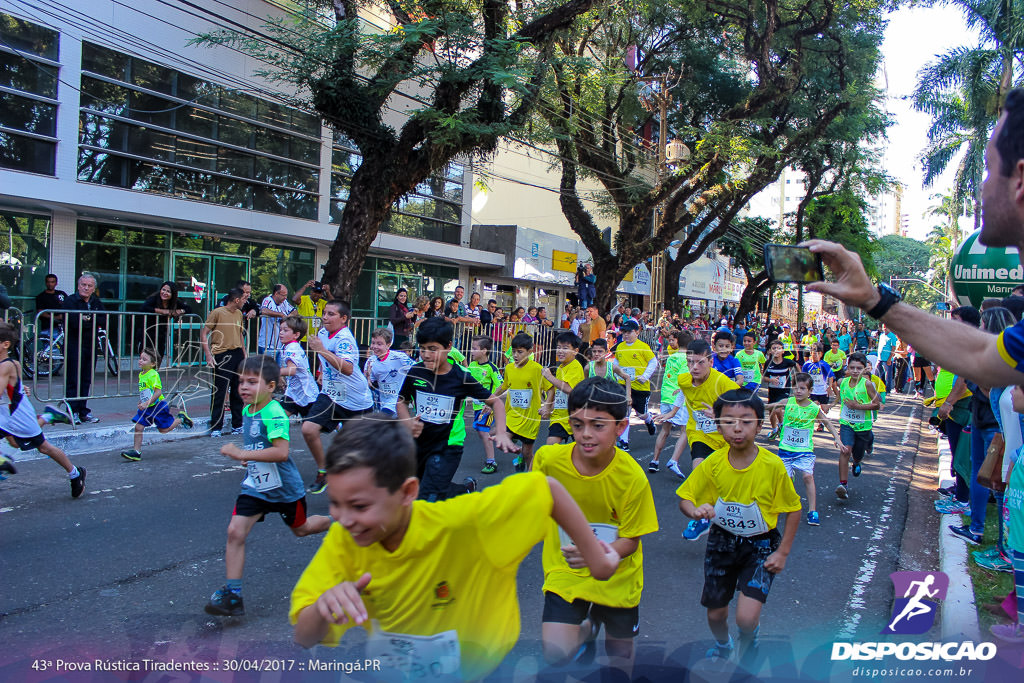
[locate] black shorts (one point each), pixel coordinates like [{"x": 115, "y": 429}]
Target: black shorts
[
  {"x": 921, "y": 362},
  {"x": 700, "y": 450},
  {"x": 619, "y": 622},
  {"x": 820, "y": 399},
  {"x": 776, "y": 395},
  {"x": 840, "y": 373},
  {"x": 557, "y": 431},
  {"x": 293, "y": 408},
  {"x": 736, "y": 563},
  {"x": 329, "y": 414},
  {"x": 640, "y": 400},
  {"x": 860, "y": 441},
  {"x": 519, "y": 437},
  {"x": 293, "y": 514},
  {"x": 26, "y": 443}
]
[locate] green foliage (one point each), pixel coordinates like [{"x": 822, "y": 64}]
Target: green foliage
[
  {"x": 841, "y": 218},
  {"x": 902, "y": 257}
]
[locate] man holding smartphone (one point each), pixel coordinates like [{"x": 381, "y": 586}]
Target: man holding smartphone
[{"x": 962, "y": 349}]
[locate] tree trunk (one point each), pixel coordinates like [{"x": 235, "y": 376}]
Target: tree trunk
[
  {"x": 751, "y": 293},
  {"x": 609, "y": 275}
]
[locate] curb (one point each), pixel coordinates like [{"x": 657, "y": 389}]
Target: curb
[
  {"x": 105, "y": 439},
  {"x": 959, "y": 612}
]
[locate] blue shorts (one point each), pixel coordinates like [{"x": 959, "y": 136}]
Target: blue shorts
[
  {"x": 802, "y": 461},
  {"x": 483, "y": 425},
  {"x": 158, "y": 414},
  {"x": 753, "y": 386}
]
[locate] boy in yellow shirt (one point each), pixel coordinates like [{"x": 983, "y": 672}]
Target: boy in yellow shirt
[
  {"x": 636, "y": 359},
  {"x": 434, "y": 584},
  {"x": 615, "y": 496},
  {"x": 743, "y": 488},
  {"x": 522, "y": 388},
  {"x": 701, "y": 387},
  {"x": 558, "y": 386}
]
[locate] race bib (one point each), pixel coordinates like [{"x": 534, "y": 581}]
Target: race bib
[
  {"x": 704, "y": 423},
  {"x": 609, "y": 533},
  {"x": 561, "y": 400},
  {"x": 520, "y": 398},
  {"x": 850, "y": 415},
  {"x": 749, "y": 375},
  {"x": 777, "y": 381},
  {"x": 796, "y": 439},
  {"x": 263, "y": 476},
  {"x": 146, "y": 396},
  {"x": 433, "y": 658},
  {"x": 434, "y": 408},
  {"x": 335, "y": 391},
  {"x": 630, "y": 372},
  {"x": 742, "y": 520},
  {"x": 819, "y": 386}
]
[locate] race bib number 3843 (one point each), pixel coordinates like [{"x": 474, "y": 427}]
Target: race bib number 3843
[{"x": 740, "y": 519}]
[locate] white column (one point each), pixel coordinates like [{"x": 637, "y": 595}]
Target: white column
[
  {"x": 63, "y": 231},
  {"x": 67, "y": 112}
]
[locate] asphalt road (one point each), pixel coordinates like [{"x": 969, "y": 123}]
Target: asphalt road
[{"x": 122, "y": 574}]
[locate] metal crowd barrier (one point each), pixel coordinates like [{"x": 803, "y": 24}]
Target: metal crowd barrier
[{"x": 67, "y": 347}]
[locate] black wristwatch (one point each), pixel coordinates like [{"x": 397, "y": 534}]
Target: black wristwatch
[{"x": 889, "y": 297}]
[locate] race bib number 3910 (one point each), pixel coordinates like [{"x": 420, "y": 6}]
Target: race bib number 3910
[{"x": 434, "y": 408}]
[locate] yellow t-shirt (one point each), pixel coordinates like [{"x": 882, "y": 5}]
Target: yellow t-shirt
[
  {"x": 700, "y": 428},
  {"x": 633, "y": 359},
  {"x": 621, "y": 497},
  {"x": 312, "y": 312},
  {"x": 522, "y": 400},
  {"x": 572, "y": 374},
  {"x": 764, "y": 482},
  {"x": 454, "y": 570}
]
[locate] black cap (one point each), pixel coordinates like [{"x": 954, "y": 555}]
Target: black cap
[{"x": 630, "y": 326}]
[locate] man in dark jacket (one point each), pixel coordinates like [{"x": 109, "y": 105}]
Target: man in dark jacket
[{"x": 80, "y": 344}]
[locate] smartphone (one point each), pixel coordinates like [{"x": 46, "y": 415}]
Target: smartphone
[
  {"x": 942, "y": 306},
  {"x": 786, "y": 263}
]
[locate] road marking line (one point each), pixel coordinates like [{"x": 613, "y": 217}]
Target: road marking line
[{"x": 855, "y": 603}]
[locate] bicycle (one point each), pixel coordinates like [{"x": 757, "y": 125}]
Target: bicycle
[{"x": 49, "y": 358}]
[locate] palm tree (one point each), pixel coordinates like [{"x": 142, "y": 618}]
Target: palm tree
[
  {"x": 963, "y": 92},
  {"x": 945, "y": 237}
]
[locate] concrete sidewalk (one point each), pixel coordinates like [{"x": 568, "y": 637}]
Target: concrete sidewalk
[{"x": 959, "y": 612}]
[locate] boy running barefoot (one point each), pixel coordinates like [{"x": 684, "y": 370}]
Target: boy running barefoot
[
  {"x": 673, "y": 404},
  {"x": 752, "y": 361},
  {"x": 615, "y": 497},
  {"x": 701, "y": 387},
  {"x": 273, "y": 483},
  {"x": 153, "y": 409},
  {"x": 636, "y": 359},
  {"x": 743, "y": 488},
  {"x": 385, "y": 370},
  {"x": 18, "y": 420},
  {"x": 485, "y": 372},
  {"x": 301, "y": 389},
  {"x": 558, "y": 387},
  {"x": 778, "y": 375},
  {"x": 796, "y": 447},
  {"x": 439, "y": 388},
  {"x": 858, "y": 398},
  {"x": 433, "y": 584},
  {"x": 724, "y": 344},
  {"x": 522, "y": 390}
]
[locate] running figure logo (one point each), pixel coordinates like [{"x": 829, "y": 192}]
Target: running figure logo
[{"x": 917, "y": 600}]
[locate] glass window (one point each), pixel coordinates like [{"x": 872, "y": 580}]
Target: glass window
[
  {"x": 104, "y": 261},
  {"x": 24, "y": 256},
  {"x": 196, "y": 122},
  {"x": 152, "y": 76},
  {"x": 106, "y": 62},
  {"x": 144, "y": 270},
  {"x": 25, "y": 36},
  {"x": 33, "y": 116},
  {"x": 24, "y": 74},
  {"x": 105, "y": 97},
  {"x": 27, "y": 154}
]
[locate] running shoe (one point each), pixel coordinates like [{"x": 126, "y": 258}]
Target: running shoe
[
  {"x": 490, "y": 467},
  {"x": 132, "y": 455},
  {"x": 624, "y": 445},
  {"x": 720, "y": 651},
  {"x": 653, "y": 466},
  {"x": 56, "y": 415},
  {"x": 186, "y": 421},
  {"x": 696, "y": 529},
  {"x": 90, "y": 418},
  {"x": 774, "y": 433},
  {"x": 812, "y": 518},
  {"x": 987, "y": 553},
  {"x": 856, "y": 469},
  {"x": 673, "y": 467},
  {"x": 319, "y": 484},
  {"x": 225, "y": 603},
  {"x": 951, "y": 506},
  {"x": 996, "y": 564},
  {"x": 470, "y": 484},
  {"x": 237, "y": 431},
  {"x": 518, "y": 464},
  {"x": 842, "y": 493},
  {"x": 650, "y": 426},
  {"x": 965, "y": 533},
  {"x": 215, "y": 433},
  {"x": 947, "y": 492},
  {"x": 1008, "y": 633},
  {"x": 78, "y": 483},
  {"x": 588, "y": 648},
  {"x": 7, "y": 465}
]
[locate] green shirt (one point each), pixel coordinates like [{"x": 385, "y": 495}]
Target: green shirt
[
  {"x": 751, "y": 364},
  {"x": 835, "y": 360},
  {"x": 858, "y": 420},
  {"x": 149, "y": 387},
  {"x": 798, "y": 426},
  {"x": 487, "y": 374},
  {"x": 457, "y": 436},
  {"x": 675, "y": 365}
]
